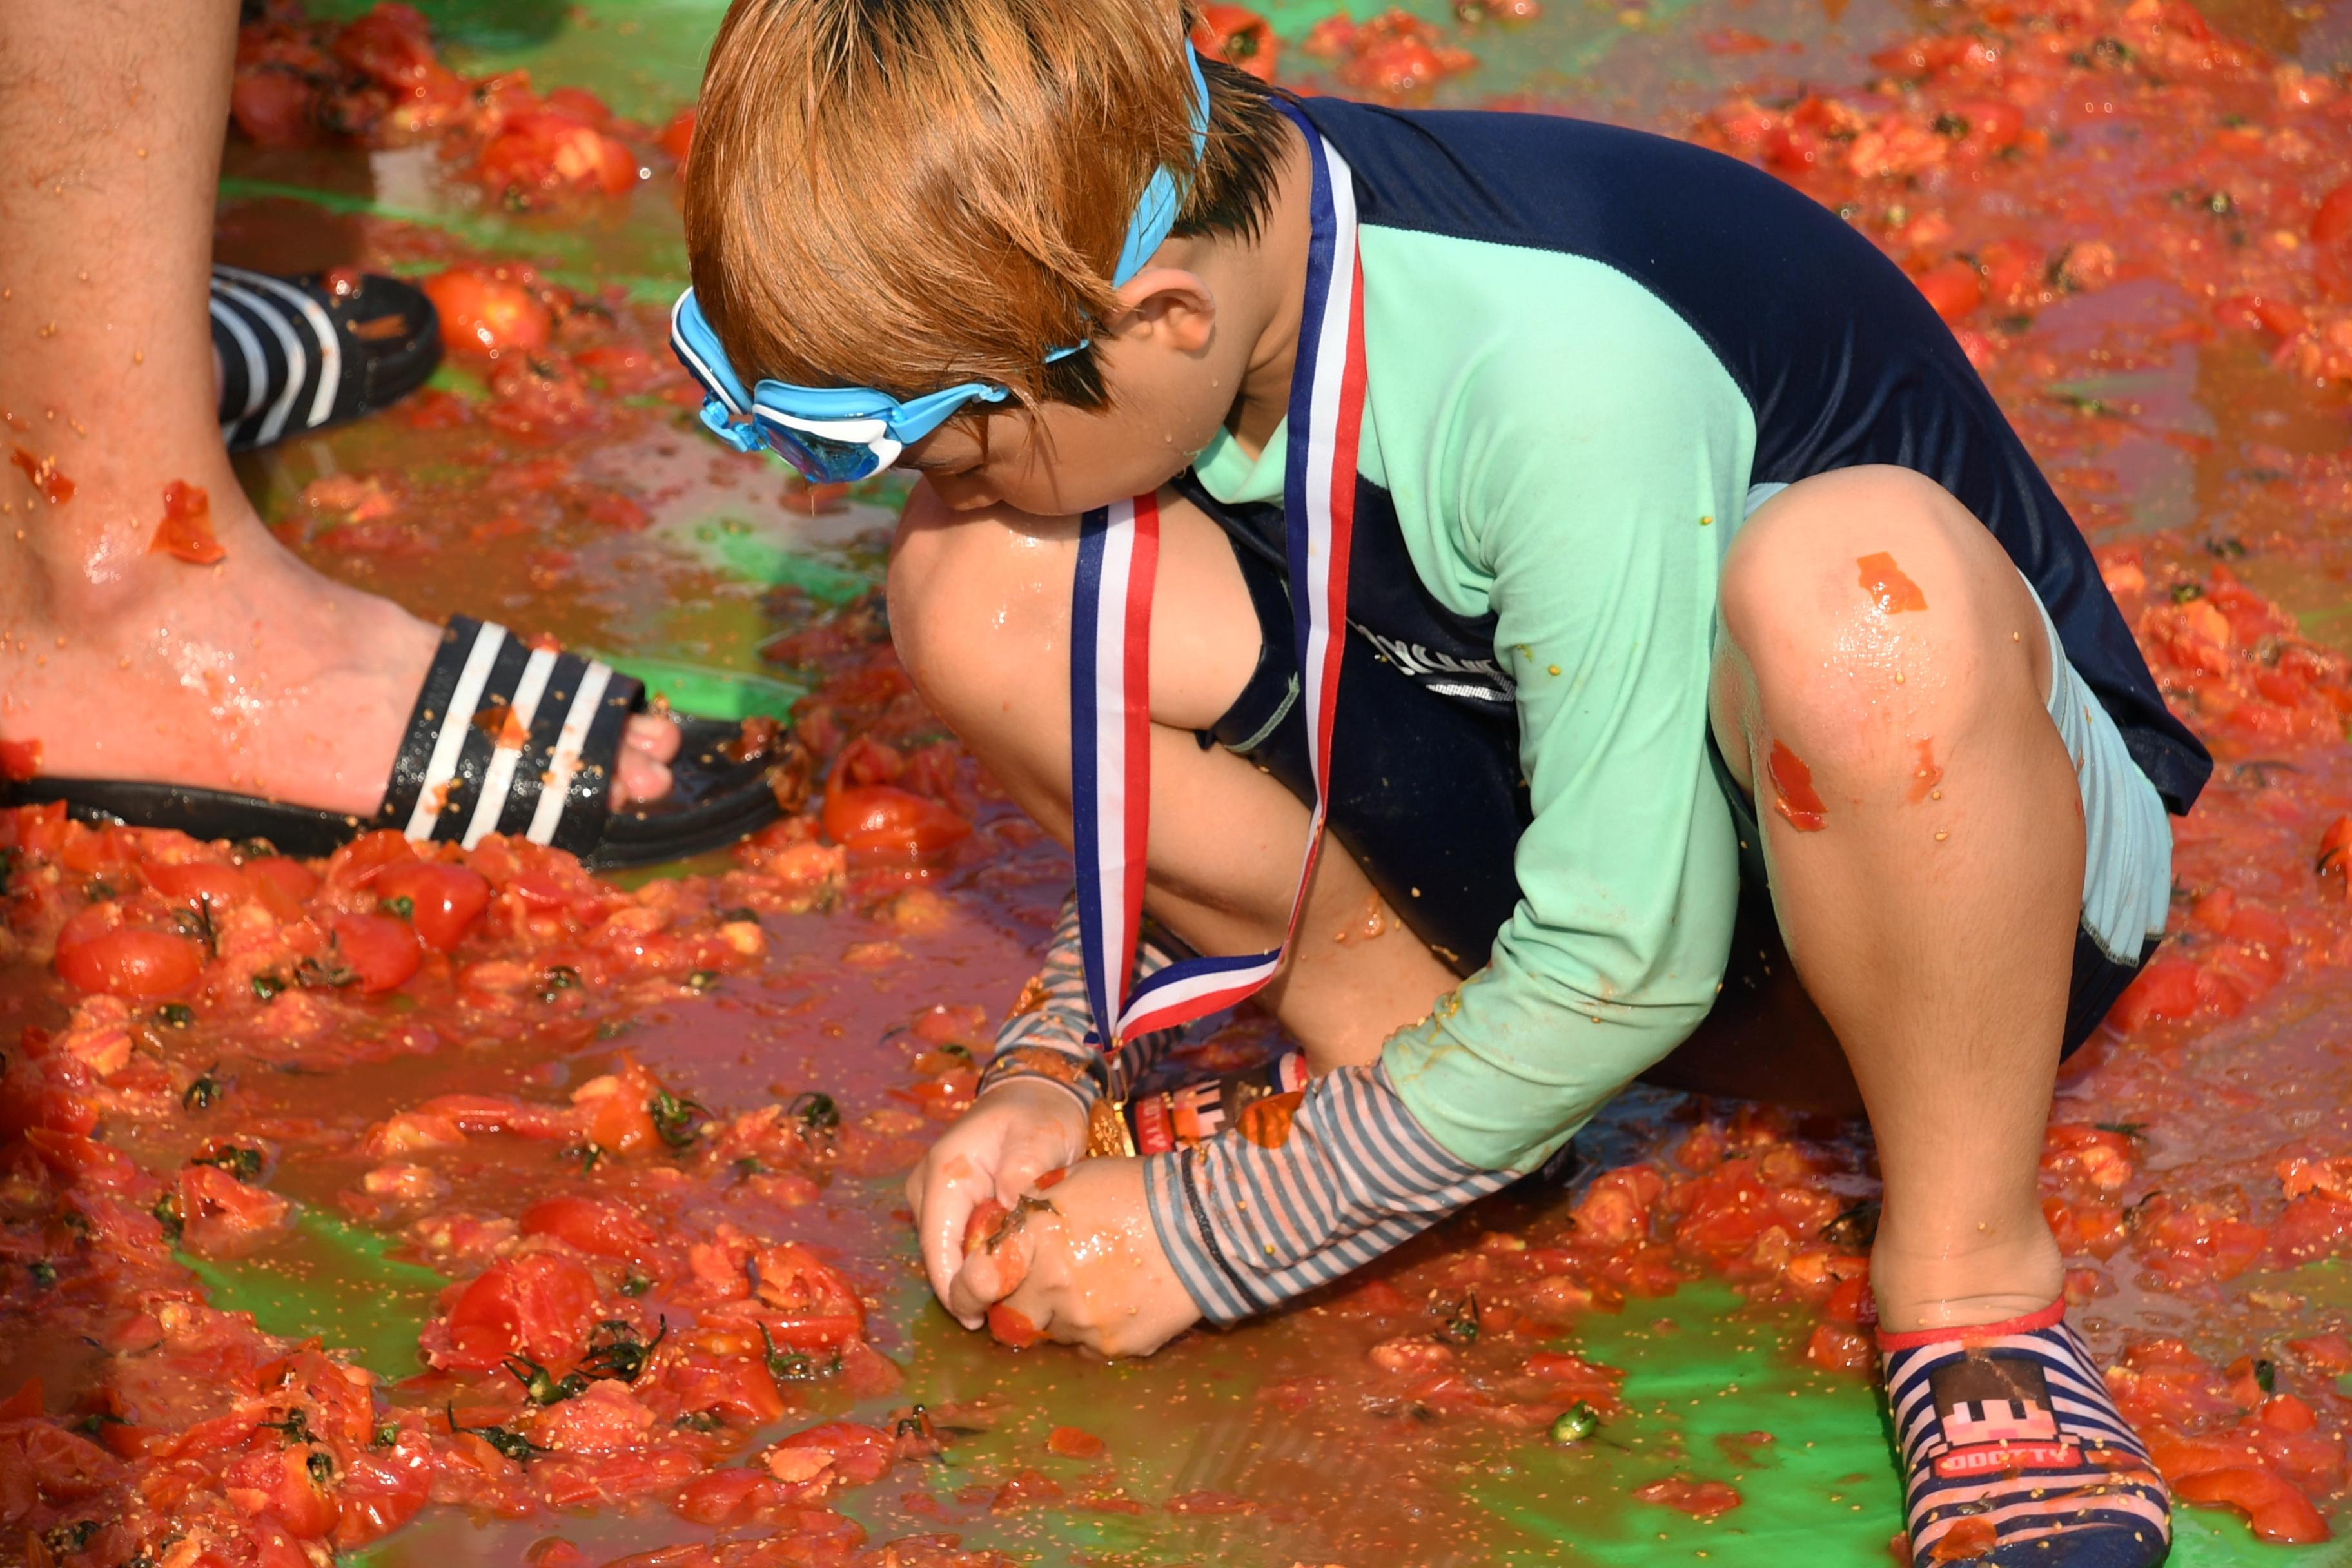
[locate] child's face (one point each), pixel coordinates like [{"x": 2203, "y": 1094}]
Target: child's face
[{"x": 1171, "y": 387}]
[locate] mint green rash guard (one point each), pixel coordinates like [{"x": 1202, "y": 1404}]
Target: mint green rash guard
[
  {"x": 1585, "y": 348},
  {"x": 1565, "y": 453}
]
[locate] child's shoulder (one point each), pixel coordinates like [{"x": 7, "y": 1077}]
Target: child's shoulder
[{"x": 1549, "y": 181}]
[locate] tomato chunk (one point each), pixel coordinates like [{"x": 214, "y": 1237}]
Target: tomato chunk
[
  {"x": 2272, "y": 1504},
  {"x": 601, "y": 1229},
  {"x": 442, "y": 903},
  {"x": 141, "y": 966},
  {"x": 539, "y": 1304},
  {"x": 381, "y": 950}
]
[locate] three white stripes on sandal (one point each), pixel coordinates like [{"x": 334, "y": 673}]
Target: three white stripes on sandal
[
  {"x": 275, "y": 305},
  {"x": 450, "y": 743}
]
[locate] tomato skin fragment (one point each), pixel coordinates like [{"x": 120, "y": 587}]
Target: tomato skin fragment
[
  {"x": 1700, "y": 1499},
  {"x": 1074, "y": 1443},
  {"x": 55, "y": 487},
  {"x": 187, "y": 532},
  {"x": 1888, "y": 585},
  {"x": 988, "y": 1217},
  {"x": 221, "y": 1216},
  {"x": 1793, "y": 795}
]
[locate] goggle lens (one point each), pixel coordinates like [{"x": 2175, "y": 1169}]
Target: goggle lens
[{"x": 821, "y": 460}]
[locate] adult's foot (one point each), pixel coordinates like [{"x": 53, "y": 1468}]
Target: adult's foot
[{"x": 255, "y": 675}]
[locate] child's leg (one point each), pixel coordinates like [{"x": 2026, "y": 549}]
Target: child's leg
[
  {"x": 980, "y": 609},
  {"x": 1883, "y": 686},
  {"x": 1932, "y": 916}
]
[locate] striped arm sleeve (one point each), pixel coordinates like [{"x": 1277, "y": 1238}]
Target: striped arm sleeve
[
  {"x": 1249, "y": 1226},
  {"x": 1045, "y": 1034}
]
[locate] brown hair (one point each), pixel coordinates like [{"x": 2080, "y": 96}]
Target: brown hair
[{"x": 908, "y": 194}]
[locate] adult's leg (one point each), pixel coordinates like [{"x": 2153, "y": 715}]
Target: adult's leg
[
  {"x": 256, "y": 675},
  {"x": 980, "y": 609},
  {"x": 1930, "y": 894}
]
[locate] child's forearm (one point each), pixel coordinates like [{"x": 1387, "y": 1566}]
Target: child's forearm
[
  {"x": 1045, "y": 1037},
  {"x": 1249, "y": 1226}
]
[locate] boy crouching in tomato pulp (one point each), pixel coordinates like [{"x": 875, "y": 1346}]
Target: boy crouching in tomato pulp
[{"x": 1544, "y": 534}]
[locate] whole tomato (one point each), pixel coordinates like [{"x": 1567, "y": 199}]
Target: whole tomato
[
  {"x": 138, "y": 966},
  {"x": 1239, "y": 36},
  {"x": 381, "y": 950},
  {"x": 881, "y": 823},
  {"x": 1953, "y": 288},
  {"x": 441, "y": 902},
  {"x": 484, "y": 314}
]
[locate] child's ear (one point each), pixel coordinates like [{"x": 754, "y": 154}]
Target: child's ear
[{"x": 1169, "y": 303}]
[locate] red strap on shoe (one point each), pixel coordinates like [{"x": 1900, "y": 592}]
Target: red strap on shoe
[{"x": 1912, "y": 1339}]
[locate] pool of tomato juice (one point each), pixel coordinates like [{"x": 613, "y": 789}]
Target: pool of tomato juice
[{"x": 443, "y": 1204}]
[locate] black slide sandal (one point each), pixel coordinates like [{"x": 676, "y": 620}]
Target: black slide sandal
[
  {"x": 504, "y": 738},
  {"x": 297, "y": 354}
]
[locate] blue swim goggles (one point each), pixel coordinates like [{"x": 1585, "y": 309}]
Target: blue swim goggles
[{"x": 834, "y": 435}]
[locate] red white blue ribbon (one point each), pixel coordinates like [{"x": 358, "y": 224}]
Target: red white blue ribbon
[{"x": 1111, "y": 728}]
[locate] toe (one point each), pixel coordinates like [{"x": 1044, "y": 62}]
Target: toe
[
  {"x": 651, "y": 736},
  {"x": 639, "y": 777}
]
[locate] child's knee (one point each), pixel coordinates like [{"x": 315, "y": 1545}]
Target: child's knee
[
  {"x": 978, "y": 608},
  {"x": 1865, "y": 603}
]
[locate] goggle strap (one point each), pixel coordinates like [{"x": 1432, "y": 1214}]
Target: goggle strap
[{"x": 743, "y": 437}]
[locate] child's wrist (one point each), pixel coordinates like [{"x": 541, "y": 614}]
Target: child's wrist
[{"x": 1086, "y": 1077}]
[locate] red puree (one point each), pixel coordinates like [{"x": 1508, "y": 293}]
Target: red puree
[
  {"x": 682, "y": 1332},
  {"x": 1792, "y": 790},
  {"x": 1883, "y": 581}
]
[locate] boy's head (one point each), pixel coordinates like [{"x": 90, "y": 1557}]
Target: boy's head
[{"x": 910, "y": 195}]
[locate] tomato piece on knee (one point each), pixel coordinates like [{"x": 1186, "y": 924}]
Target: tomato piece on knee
[{"x": 381, "y": 950}]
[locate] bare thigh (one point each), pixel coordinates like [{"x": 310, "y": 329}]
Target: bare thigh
[{"x": 980, "y": 609}]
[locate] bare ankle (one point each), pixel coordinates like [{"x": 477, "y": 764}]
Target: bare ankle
[{"x": 1954, "y": 1286}]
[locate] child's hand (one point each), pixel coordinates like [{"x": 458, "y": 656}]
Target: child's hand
[
  {"x": 1011, "y": 1136},
  {"x": 1080, "y": 1263}
]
